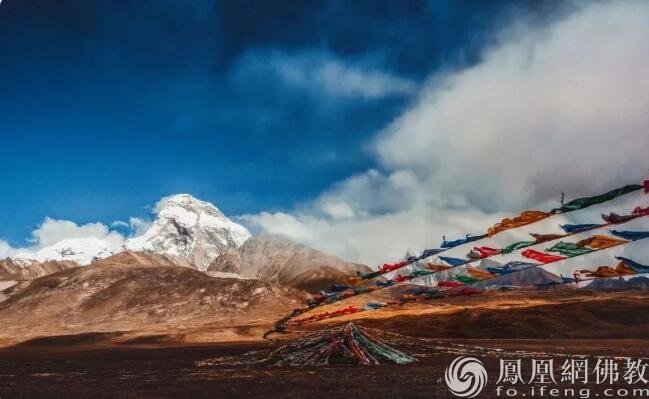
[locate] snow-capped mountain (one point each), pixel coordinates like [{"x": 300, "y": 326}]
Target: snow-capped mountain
[
  {"x": 81, "y": 250},
  {"x": 188, "y": 229},
  {"x": 193, "y": 230}
]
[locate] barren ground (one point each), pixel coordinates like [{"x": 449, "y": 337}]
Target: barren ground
[
  {"x": 159, "y": 365},
  {"x": 46, "y": 370}
]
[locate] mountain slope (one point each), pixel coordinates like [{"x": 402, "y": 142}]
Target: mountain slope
[
  {"x": 636, "y": 282},
  {"x": 282, "y": 261},
  {"x": 143, "y": 258},
  {"x": 119, "y": 297},
  {"x": 191, "y": 229},
  {"x": 22, "y": 269}
]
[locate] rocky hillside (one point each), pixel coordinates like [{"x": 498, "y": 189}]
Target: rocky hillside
[
  {"x": 282, "y": 261},
  {"x": 639, "y": 282},
  {"x": 143, "y": 258},
  {"x": 122, "y": 297},
  {"x": 22, "y": 269}
]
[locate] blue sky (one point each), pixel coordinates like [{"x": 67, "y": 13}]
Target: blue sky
[{"x": 253, "y": 105}]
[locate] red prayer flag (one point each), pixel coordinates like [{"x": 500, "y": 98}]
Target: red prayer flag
[
  {"x": 486, "y": 251},
  {"x": 388, "y": 267},
  {"x": 541, "y": 256},
  {"x": 449, "y": 284},
  {"x": 641, "y": 211}
]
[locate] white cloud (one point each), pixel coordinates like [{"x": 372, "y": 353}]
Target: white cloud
[
  {"x": 119, "y": 223},
  {"x": 53, "y": 236},
  {"x": 139, "y": 226},
  {"x": 6, "y": 249},
  {"x": 52, "y": 231},
  {"x": 338, "y": 210},
  {"x": 554, "y": 109},
  {"x": 325, "y": 73},
  {"x": 562, "y": 107},
  {"x": 374, "y": 239},
  {"x": 303, "y": 226}
]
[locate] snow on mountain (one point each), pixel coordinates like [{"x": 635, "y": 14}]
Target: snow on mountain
[
  {"x": 82, "y": 250},
  {"x": 185, "y": 228},
  {"x": 190, "y": 229}
]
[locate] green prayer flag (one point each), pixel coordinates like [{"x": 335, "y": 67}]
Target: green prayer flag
[
  {"x": 466, "y": 279},
  {"x": 581, "y": 203},
  {"x": 419, "y": 273},
  {"x": 569, "y": 249},
  {"x": 516, "y": 245}
]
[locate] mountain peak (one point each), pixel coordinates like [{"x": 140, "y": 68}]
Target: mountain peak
[
  {"x": 183, "y": 199},
  {"x": 186, "y": 228},
  {"x": 187, "y": 210},
  {"x": 189, "y": 228}
]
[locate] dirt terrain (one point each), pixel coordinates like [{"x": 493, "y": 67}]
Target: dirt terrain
[
  {"x": 47, "y": 369},
  {"x": 130, "y": 364},
  {"x": 566, "y": 313},
  {"x": 142, "y": 300}
]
